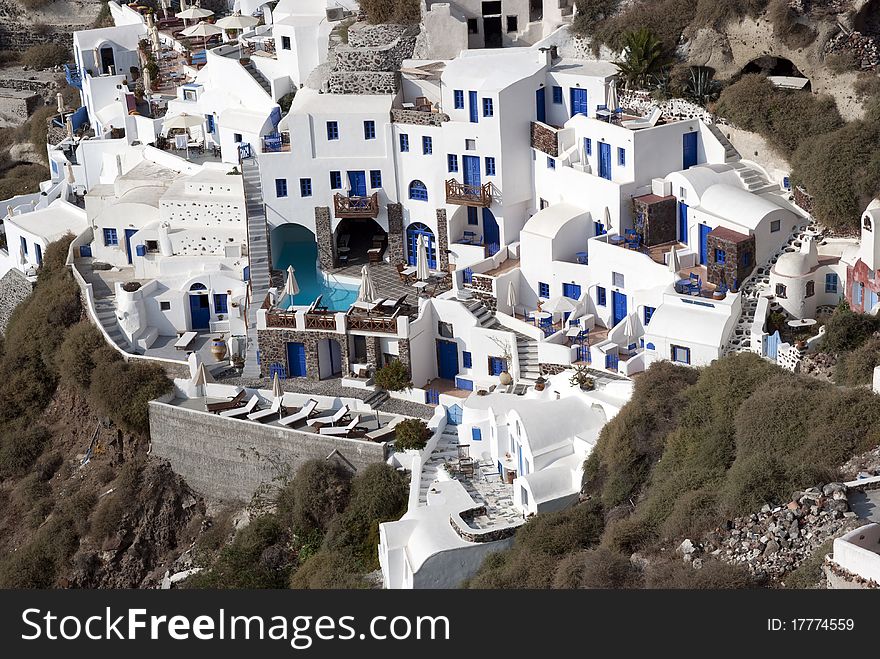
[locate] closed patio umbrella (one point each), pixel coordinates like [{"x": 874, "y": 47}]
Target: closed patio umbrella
[
  {"x": 291, "y": 287},
  {"x": 612, "y": 101},
  {"x": 673, "y": 262},
  {"x": 367, "y": 291},
  {"x": 628, "y": 331},
  {"x": 422, "y": 270},
  {"x": 607, "y": 220},
  {"x": 511, "y": 298},
  {"x": 200, "y": 381},
  {"x": 277, "y": 391}
]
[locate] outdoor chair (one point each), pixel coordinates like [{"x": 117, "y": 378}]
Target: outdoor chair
[
  {"x": 339, "y": 416},
  {"x": 276, "y": 409},
  {"x": 344, "y": 431},
  {"x": 405, "y": 278},
  {"x": 231, "y": 404},
  {"x": 695, "y": 285},
  {"x": 243, "y": 411},
  {"x": 385, "y": 431},
  {"x": 632, "y": 240},
  {"x": 302, "y": 414}
]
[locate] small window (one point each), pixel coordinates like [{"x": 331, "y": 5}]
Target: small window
[
  {"x": 543, "y": 289},
  {"x": 551, "y": 163},
  {"x": 780, "y": 291},
  {"x": 472, "y": 215},
  {"x": 831, "y": 282},
  {"x": 524, "y": 495},
  {"x": 375, "y": 178},
  {"x": 588, "y": 146},
  {"x": 332, "y": 130},
  {"x": 152, "y": 246},
  {"x": 774, "y": 226},
  {"x": 427, "y": 145},
  {"x": 476, "y": 434},
  {"x": 418, "y": 191},
  {"x": 866, "y": 223},
  {"x": 617, "y": 279},
  {"x": 404, "y": 142},
  {"x": 335, "y": 180},
  {"x": 470, "y": 145},
  {"x": 488, "y": 107},
  {"x": 452, "y": 162},
  {"x": 621, "y": 156},
  {"x": 681, "y": 354},
  {"x": 221, "y": 303},
  {"x": 111, "y": 239},
  {"x": 557, "y": 95},
  {"x": 811, "y": 288},
  {"x": 649, "y": 311},
  {"x": 280, "y": 187},
  {"x": 369, "y": 130},
  {"x": 682, "y": 193},
  {"x": 512, "y": 24},
  {"x": 444, "y": 330},
  {"x": 237, "y": 137},
  {"x": 600, "y": 296},
  {"x": 164, "y": 305},
  {"x": 24, "y": 247},
  {"x": 467, "y": 360},
  {"x": 305, "y": 187},
  {"x": 285, "y": 43},
  {"x": 720, "y": 256},
  {"x": 473, "y": 26},
  {"x": 490, "y": 166},
  {"x": 747, "y": 259},
  {"x": 458, "y": 99},
  {"x": 209, "y": 123}
]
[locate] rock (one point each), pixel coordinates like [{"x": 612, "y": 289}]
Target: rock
[
  {"x": 697, "y": 564},
  {"x": 639, "y": 560},
  {"x": 849, "y": 514},
  {"x": 792, "y": 505},
  {"x": 771, "y": 548},
  {"x": 686, "y": 548},
  {"x": 765, "y": 508}
]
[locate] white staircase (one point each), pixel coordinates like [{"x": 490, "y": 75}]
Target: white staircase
[
  {"x": 258, "y": 258},
  {"x": 752, "y": 179},
  {"x": 105, "y": 309},
  {"x": 526, "y": 347},
  {"x": 731, "y": 155}
]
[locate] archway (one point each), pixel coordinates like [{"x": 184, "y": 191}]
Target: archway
[
  {"x": 107, "y": 62},
  {"x": 771, "y": 66},
  {"x": 413, "y": 231},
  {"x": 356, "y": 237}
]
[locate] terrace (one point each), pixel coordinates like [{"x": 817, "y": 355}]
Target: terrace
[{"x": 462, "y": 194}]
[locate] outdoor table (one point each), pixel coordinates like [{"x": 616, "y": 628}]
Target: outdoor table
[
  {"x": 573, "y": 332},
  {"x": 420, "y": 286},
  {"x": 616, "y": 240},
  {"x": 604, "y": 115},
  {"x": 542, "y": 315},
  {"x": 409, "y": 270},
  {"x": 804, "y": 322}
]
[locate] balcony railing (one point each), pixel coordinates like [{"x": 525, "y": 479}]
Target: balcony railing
[
  {"x": 281, "y": 319},
  {"x": 276, "y": 143},
  {"x": 385, "y": 324},
  {"x": 72, "y": 75},
  {"x": 321, "y": 321},
  {"x": 356, "y": 207},
  {"x": 468, "y": 195}
]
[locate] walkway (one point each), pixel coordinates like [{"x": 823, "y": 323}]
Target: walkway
[{"x": 258, "y": 259}]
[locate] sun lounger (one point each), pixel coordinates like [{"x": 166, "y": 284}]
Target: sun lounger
[
  {"x": 343, "y": 431},
  {"x": 340, "y": 415},
  {"x": 231, "y": 404},
  {"x": 644, "y": 122},
  {"x": 243, "y": 411},
  {"x": 275, "y": 410},
  {"x": 386, "y": 431},
  {"x": 301, "y": 415},
  {"x": 185, "y": 339}
]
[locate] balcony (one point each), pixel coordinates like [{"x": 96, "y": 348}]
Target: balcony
[
  {"x": 383, "y": 324},
  {"x": 468, "y": 195},
  {"x": 356, "y": 207},
  {"x": 276, "y": 143},
  {"x": 72, "y": 75}
]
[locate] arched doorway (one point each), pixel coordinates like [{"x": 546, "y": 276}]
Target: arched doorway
[
  {"x": 356, "y": 237},
  {"x": 769, "y": 65},
  {"x": 107, "y": 61},
  {"x": 329, "y": 359},
  {"x": 413, "y": 231},
  {"x": 199, "y": 308}
]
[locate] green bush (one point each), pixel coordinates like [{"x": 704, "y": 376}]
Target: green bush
[
  {"x": 122, "y": 391},
  {"x": 857, "y": 367},
  {"x": 411, "y": 434},
  {"x": 20, "y": 446},
  {"x": 319, "y": 491},
  {"x": 714, "y": 575},
  {"x": 846, "y": 330},
  {"x": 111, "y": 509},
  {"x": 394, "y": 376},
  {"x": 597, "y": 568},
  {"x": 809, "y": 573},
  {"x": 786, "y": 26},
  {"x": 45, "y": 55},
  {"x": 328, "y": 569},
  {"x": 842, "y": 62},
  {"x": 867, "y": 85},
  {"x": 82, "y": 349}
]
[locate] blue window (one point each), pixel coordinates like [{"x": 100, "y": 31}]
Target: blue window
[
  {"x": 452, "y": 162},
  {"x": 458, "y": 96},
  {"x": 335, "y": 180},
  {"x": 467, "y": 360},
  {"x": 856, "y": 292},
  {"x": 747, "y": 259},
  {"x": 220, "y": 303},
  {"x": 551, "y": 163},
  {"x": 369, "y": 130},
  {"x": 588, "y": 146},
  {"x": 38, "y": 255},
  {"x": 404, "y": 142},
  {"x": 600, "y": 296},
  {"x": 209, "y": 122},
  {"x": 681, "y": 354},
  {"x": 280, "y": 187},
  {"x": 599, "y": 228},
  {"x": 111, "y": 239},
  {"x": 24, "y": 247},
  {"x": 332, "y": 130},
  {"x": 472, "y": 215},
  {"x": 557, "y": 95},
  {"x": 497, "y": 365},
  {"x": 305, "y": 187},
  {"x": 572, "y": 291},
  {"x": 490, "y": 166},
  {"x": 488, "y": 107},
  {"x": 621, "y": 156},
  {"x": 649, "y": 311},
  {"x": 473, "y": 107},
  {"x": 831, "y": 282},
  {"x": 375, "y": 178},
  {"x": 418, "y": 191},
  {"x": 720, "y": 256},
  {"x": 543, "y": 289},
  {"x": 427, "y": 145},
  {"x": 476, "y": 434}
]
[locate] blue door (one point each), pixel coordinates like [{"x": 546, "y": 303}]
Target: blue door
[
  {"x": 578, "y": 101},
  {"x": 199, "y": 311},
  {"x": 490, "y": 228},
  {"x": 357, "y": 181},
  {"x": 128, "y": 234},
  {"x": 296, "y": 360},
  {"x": 689, "y": 150},
  {"x": 497, "y": 365},
  {"x": 413, "y": 231},
  {"x": 473, "y": 106},
  {"x": 38, "y": 253},
  {"x": 471, "y": 170},
  {"x": 683, "y": 222},
  {"x": 541, "y": 105},
  {"x": 447, "y": 360},
  {"x": 704, "y": 235},
  {"x": 572, "y": 291},
  {"x": 605, "y": 160},
  {"x": 619, "y": 306}
]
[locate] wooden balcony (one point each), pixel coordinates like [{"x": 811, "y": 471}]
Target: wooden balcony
[
  {"x": 383, "y": 324},
  {"x": 281, "y": 319},
  {"x": 356, "y": 207},
  {"x": 468, "y": 195},
  {"x": 321, "y": 321}
]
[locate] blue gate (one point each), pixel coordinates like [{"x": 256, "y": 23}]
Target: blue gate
[
  {"x": 432, "y": 397},
  {"x": 611, "y": 362},
  {"x": 279, "y": 369},
  {"x": 245, "y": 151},
  {"x": 578, "y": 101},
  {"x": 771, "y": 345},
  {"x": 619, "y": 306},
  {"x": 689, "y": 150},
  {"x": 447, "y": 360},
  {"x": 296, "y": 359}
]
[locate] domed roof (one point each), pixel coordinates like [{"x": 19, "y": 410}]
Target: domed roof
[{"x": 797, "y": 264}]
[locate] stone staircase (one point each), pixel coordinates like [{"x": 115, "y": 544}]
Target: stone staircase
[
  {"x": 105, "y": 309},
  {"x": 258, "y": 77},
  {"x": 447, "y": 449},
  {"x": 731, "y": 155},
  {"x": 376, "y": 399},
  {"x": 526, "y": 347},
  {"x": 752, "y": 179},
  {"x": 258, "y": 258}
]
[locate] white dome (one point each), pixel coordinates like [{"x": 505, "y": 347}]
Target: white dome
[{"x": 792, "y": 264}]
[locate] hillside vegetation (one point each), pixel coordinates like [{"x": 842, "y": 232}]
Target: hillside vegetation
[{"x": 692, "y": 449}]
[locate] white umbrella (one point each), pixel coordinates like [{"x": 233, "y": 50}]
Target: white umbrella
[
  {"x": 277, "y": 391},
  {"x": 69, "y": 173},
  {"x": 194, "y": 13},
  {"x": 21, "y": 256},
  {"x": 612, "y": 101},
  {"x": 422, "y": 270},
  {"x": 204, "y": 30},
  {"x": 607, "y": 220},
  {"x": 238, "y": 23},
  {"x": 511, "y": 297},
  {"x": 183, "y": 121},
  {"x": 559, "y": 304},
  {"x": 367, "y": 292},
  {"x": 291, "y": 287},
  {"x": 200, "y": 381},
  {"x": 628, "y": 331},
  {"x": 673, "y": 262}
]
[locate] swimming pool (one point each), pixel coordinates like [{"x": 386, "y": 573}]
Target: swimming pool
[{"x": 303, "y": 256}]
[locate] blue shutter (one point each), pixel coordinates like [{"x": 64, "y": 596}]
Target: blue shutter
[{"x": 473, "y": 103}]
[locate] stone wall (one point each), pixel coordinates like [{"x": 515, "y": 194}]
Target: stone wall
[
  {"x": 395, "y": 234},
  {"x": 14, "y": 288},
  {"x": 481, "y": 288},
  {"x": 324, "y": 238},
  {"x": 273, "y": 349},
  {"x": 16, "y": 106},
  {"x": 417, "y": 117},
  {"x": 219, "y": 459},
  {"x": 364, "y": 82},
  {"x": 656, "y": 218},
  {"x": 544, "y": 139},
  {"x": 552, "y": 369},
  {"x": 734, "y": 270},
  {"x": 403, "y": 354},
  {"x": 442, "y": 240},
  {"x": 364, "y": 35}
]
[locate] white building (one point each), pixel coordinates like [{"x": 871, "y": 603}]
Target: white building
[
  {"x": 29, "y": 231},
  {"x": 855, "y": 559}
]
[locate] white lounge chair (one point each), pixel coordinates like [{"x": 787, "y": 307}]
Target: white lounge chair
[
  {"x": 304, "y": 413},
  {"x": 330, "y": 419},
  {"x": 243, "y": 411},
  {"x": 275, "y": 410},
  {"x": 384, "y": 431},
  {"x": 644, "y": 122},
  {"x": 185, "y": 339},
  {"x": 342, "y": 431}
]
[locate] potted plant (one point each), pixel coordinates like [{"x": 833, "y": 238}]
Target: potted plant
[
  {"x": 540, "y": 383},
  {"x": 504, "y": 376},
  {"x": 581, "y": 378}
]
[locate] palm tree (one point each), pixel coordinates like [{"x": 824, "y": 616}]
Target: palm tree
[{"x": 643, "y": 58}]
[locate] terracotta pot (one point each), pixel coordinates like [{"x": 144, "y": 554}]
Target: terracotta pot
[
  {"x": 218, "y": 348},
  {"x": 505, "y": 378}
]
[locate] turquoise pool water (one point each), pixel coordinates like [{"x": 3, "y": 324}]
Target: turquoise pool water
[{"x": 303, "y": 256}]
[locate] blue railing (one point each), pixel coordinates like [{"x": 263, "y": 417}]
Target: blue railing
[
  {"x": 279, "y": 369},
  {"x": 432, "y": 397},
  {"x": 492, "y": 249},
  {"x": 467, "y": 276},
  {"x": 72, "y": 75},
  {"x": 272, "y": 143}
]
